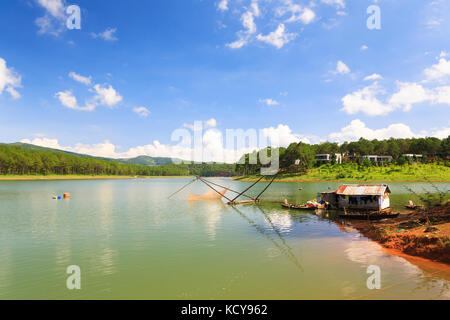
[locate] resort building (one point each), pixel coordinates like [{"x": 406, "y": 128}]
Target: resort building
[
  {"x": 413, "y": 156},
  {"x": 379, "y": 159},
  {"x": 328, "y": 157},
  {"x": 359, "y": 197}
]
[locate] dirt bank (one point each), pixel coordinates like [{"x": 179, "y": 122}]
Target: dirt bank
[{"x": 423, "y": 234}]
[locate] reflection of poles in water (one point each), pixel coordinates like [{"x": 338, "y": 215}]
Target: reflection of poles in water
[
  {"x": 286, "y": 251},
  {"x": 274, "y": 228}
]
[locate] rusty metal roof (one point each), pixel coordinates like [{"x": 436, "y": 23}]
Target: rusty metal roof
[{"x": 363, "y": 190}]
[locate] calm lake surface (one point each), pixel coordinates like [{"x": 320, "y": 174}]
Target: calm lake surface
[{"x": 131, "y": 242}]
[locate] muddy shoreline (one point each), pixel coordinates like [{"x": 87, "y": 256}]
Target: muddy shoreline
[{"x": 424, "y": 234}]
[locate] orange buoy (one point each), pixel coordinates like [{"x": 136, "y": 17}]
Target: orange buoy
[{"x": 66, "y": 195}]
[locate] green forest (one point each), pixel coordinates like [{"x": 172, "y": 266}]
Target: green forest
[{"x": 19, "y": 160}]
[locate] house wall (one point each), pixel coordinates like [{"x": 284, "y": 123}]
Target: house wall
[
  {"x": 331, "y": 198},
  {"x": 386, "y": 202},
  {"x": 360, "y": 202}
]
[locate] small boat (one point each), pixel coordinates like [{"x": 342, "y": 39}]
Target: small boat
[
  {"x": 297, "y": 206},
  {"x": 412, "y": 206},
  {"x": 369, "y": 216}
]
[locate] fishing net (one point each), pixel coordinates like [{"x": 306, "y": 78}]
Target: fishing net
[{"x": 210, "y": 195}]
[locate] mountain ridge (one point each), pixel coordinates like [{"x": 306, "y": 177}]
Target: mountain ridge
[{"x": 139, "y": 160}]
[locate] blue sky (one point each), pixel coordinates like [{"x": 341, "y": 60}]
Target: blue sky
[{"x": 300, "y": 70}]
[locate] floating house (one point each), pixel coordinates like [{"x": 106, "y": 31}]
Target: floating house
[{"x": 359, "y": 197}]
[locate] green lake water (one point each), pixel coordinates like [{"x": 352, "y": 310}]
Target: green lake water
[{"x": 131, "y": 242}]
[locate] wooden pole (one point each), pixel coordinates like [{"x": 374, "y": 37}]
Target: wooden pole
[
  {"x": 218, "y": 185},
  {"x": 182, "y": 188},
  {"x": 273, "y": 179},
  {"x": 247, "y": 189}
]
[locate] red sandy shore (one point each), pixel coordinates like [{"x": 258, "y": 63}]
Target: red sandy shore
[{"x": 413, "y": 234}]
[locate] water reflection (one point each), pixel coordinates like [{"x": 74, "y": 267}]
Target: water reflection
[
  {"x": 283, "y": 247},
  {"x": 210, "y": 218}
]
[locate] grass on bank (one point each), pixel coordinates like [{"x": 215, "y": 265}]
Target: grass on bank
[{"x": 352, "y": 172}]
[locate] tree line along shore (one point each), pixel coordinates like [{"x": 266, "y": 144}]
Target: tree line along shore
[
  {"x": 19, "y": 162},
  {"x": 297, "y": 162},
  {"x": 418, "y": 159}
]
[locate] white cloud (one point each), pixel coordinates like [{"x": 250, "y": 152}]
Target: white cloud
[
  {"x": 373, "y": 77},
  {"x": 105, "y": 149},
  {"x": 54, "y": 7},
  {"x": 269, "y": 102},
  {"x": 13, "y": 92},
  {"x": 9, "y": 80},
  {"x": 223, "y": 5},
  {"x": 107, "y": 35},
  {"x": 336, "y": 3},
  {"x": 442, "y": 95},
  {"x": 80, "y": 79},
  {"x": 237, "y": 44},
  {"x": 255, "y": 7},
  {"x": 277, "y": 38},
  {"x": 305, "y": 15},
  {"x": 409, "y": 94},
  {"x": 248, "y": 22},
  {"x": 438, "y": 71},
  {"x": 104, "y": 96},
  {"x": 365, "y": 101},
  {"x": 142, "y": 112},
  {"x": 53, "y": 22},
  {"x": 364, "y": 47},
  {"x": 107, "y": 95},
  {"x": 357, "y": 129},
  {"x": 44, "y": 142},
  {"x": 200, "y": 125},
  {"x": 211, "y": 123},
  {"x": 68, "y": 100},
  {"x": 282, "y": 136},
  {"x": 441, "y": 133},
  {"x": 443, "y": 54},
  {"x": 342, "y": 68},
  {"x": 297, "y": 12},
  {"x": 434, "y": 23},
  {"x": 213, "y": 148}
]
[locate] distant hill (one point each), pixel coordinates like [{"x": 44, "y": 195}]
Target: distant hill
[
  {"x": 140, "y": 160},
  {"x": 27, "y": 159},
  {"x": 147, "y": 161}
]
